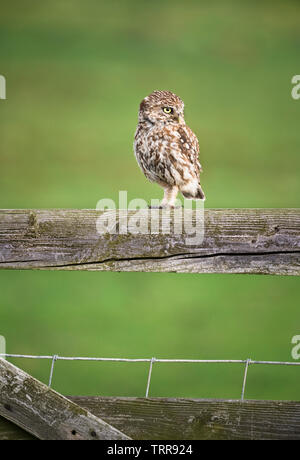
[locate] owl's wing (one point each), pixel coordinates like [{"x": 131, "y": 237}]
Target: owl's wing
[
  {"x": 173, "y": 154},
  {"x": 190, "y": 145}
]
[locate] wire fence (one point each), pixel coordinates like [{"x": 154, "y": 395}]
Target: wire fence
[{"x": 151, "y": 361}]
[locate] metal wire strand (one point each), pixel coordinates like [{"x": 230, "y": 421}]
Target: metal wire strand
[
  {"x": 245, "y": 378},
  {"x": 246, "y": 362},
  {"x": 55, "y": 357},
  {"x": 149, "y": 376},
  {"x": 148, "y": 360}
]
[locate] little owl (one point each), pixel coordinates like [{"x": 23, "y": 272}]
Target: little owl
[{"x": 166, "y": 149}]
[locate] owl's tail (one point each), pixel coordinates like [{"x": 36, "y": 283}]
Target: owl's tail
[{"x": 192, "y": 191}]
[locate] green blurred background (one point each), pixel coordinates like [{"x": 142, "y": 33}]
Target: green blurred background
[{"x": 76, "y": 72}]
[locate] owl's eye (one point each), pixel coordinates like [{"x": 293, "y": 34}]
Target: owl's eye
[{"x": 168, "y": 109}]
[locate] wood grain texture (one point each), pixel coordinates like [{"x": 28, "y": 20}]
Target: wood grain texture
[
  {"x": 189, "y": 419},
  {"x": 11, "y": 432},
  {"x": 44, "y": 413},
  {"x": 260, "y": 241},
  {"x": 177, "y": 419}
]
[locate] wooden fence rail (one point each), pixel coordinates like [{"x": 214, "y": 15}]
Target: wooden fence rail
[
  {"x": 189, "y": 419},
  {"x": 44, "y": 413},
  {"x": 29, "y": 410},
  {"x": 263, "y": 241}
]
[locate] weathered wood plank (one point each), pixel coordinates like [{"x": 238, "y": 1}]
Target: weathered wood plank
[
  {"x": 177, "y": 419},
  {"x": 46, "y": 414},
  {"x": 262, "y": 241},
  {"x": 190, "y": 419},
  {"x": 11, "y": 432}
]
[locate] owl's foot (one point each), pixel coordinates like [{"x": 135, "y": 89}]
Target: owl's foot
[
  {"x": 165, "y": 206},
  {"x": 170, "y": 206}
]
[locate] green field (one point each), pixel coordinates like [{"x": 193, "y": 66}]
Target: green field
[{"x": 76, "y": 72}]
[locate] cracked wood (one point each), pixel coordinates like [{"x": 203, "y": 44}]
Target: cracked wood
[{"x": 262, "y": 241}]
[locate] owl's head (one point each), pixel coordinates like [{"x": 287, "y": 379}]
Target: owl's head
[{"x": 162, "y": 106}]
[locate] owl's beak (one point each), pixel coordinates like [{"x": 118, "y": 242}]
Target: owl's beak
[{"x": 179, "y": 119}]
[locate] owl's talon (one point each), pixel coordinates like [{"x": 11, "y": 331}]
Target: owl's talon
[
  {"x": 164, "y": 206},
  {"x": 170, "y": 206}
]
